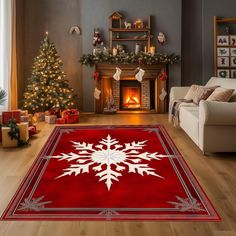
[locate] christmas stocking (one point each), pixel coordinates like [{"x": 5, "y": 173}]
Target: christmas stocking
[
  {"x": 163, "y": 94},
  {"x": 116, "y": 76},
  {"x": 97, "y": 93},
  {"x": 139, "y": 75}
]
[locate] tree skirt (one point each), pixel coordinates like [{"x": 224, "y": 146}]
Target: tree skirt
[{"x": 110, "y": 173}]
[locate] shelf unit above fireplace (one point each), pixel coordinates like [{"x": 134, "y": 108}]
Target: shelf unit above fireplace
[{"x": 131, "y": 35}]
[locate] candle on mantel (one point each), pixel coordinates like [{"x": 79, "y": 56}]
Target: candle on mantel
[
  {"x": 114, "y": 51},
  {"x": 152, "y": 50},
  {"x": 145, "y": 49}
]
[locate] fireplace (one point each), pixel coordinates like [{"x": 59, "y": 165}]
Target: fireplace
[
  {"x": 127, "y": 93},
  {"x": 130, "y": 95}
]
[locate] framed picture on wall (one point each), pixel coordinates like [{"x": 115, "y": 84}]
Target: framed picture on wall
[
  {"x": 233, "y": 74},
  {"x": 223, "y": 52},
  {"x": 233, "y": 40},
  {"x": 223, "y": 61},
  {"x": 233, "y": 52},
  {"x": 233, "y": 61},
  {"x": 222, "y": 40},
  {"x": 223, "y": 73}
]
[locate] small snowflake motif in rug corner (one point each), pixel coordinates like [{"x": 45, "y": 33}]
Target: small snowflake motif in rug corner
[{"x": 185, "y": 204}]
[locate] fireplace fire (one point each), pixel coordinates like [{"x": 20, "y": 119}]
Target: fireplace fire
[
  {"x": 130, "y": 95},
  {"x": 131, "y": 98}
]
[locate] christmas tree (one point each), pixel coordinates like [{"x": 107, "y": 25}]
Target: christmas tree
[{"x": 47, "y": 87}]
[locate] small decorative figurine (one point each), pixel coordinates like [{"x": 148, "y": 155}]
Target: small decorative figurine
[
  {"x": 138, "y": 24},
  {"x": 127, "y": 25},
  {"x": 75, "y": 30},
  {"x": 97, "y": 38},
  {"x": 161, "y": 38}
]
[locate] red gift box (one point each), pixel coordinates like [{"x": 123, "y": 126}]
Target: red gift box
[
  {"x": 32, "y": 130},
  {"x": 53, "y": 111},
  {"x": 71, "y": 116},
  {"x": 60, "y": 121},
  {"x": 11, "y": 115}
]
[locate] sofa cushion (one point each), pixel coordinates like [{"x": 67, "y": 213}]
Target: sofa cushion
[
  {"x": 221, "y": 95},
  {"x": 203, "y": 93},
  {"x": 191, "y": 92},
  {"x": 189, "y": 121},
  {"x": 226, "y": 83}
]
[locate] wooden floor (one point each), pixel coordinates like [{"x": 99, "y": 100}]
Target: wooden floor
[{"x": 216, "y": 174}]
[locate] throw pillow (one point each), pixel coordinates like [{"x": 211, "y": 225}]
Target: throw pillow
[
  {"x": 221, "y": 95},
  {"x": 203, "y": 93},
  {"x": 192, "y": 92}
]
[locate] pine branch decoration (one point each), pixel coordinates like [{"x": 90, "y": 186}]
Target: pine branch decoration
[{"x": 129, "y": 58}]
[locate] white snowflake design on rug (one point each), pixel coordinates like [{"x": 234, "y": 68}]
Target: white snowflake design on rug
[{"x": 109, "y": 158}]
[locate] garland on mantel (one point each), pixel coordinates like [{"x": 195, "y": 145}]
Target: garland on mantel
[{"x": 129, "y": 58}]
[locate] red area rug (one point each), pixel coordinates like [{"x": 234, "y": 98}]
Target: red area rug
[{"x": 110, "y": 173}]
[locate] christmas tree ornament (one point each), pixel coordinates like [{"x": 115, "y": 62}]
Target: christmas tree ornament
[
  {"x": 116, "y": 76},
  {"x": 97, "y": 93},
  {"x": 139, "y": 75}
]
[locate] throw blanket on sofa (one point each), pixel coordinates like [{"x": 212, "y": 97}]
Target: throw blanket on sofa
[{"x": 174, "y": 110}]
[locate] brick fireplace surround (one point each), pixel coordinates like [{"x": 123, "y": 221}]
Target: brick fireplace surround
[{"x": 106, "y": 83}]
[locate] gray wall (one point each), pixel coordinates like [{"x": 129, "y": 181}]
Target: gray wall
[
  {"x": 191, "y": 42},
  {"x": 95, "y": 14},
  {"x": 56, "y": 16},
  {"x": 34, "y": 18},
  {"x": 198, "y": 37}
]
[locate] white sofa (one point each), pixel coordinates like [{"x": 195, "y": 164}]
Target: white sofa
[{"x": 211, "y": 125}]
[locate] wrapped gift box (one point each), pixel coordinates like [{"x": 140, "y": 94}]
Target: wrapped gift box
[
  {"x": 30, "y": 116},
  {"x": 32, "y": 130},
  {"x": 11, "y": 115},
  {"x": 71, "y": 116},
  {"x": 6, "y": 139},
  {"x": 40, "y": 116},
  {"x": 24, "y": 112},
  {"x": 60, "y": 121},
  {"x": 51, "y": 119},
  {"x": 24, "y": 118},
  {"x": 24, "y": 133},
  {"x": 53, "y": 111}
]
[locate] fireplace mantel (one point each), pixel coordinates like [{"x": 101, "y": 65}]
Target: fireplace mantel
[{"x": 152, "y": 72}]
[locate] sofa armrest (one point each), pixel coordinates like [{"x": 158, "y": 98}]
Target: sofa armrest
[
  {"x": 178, "y": 92},
  {"x": 217, "y": 113}
]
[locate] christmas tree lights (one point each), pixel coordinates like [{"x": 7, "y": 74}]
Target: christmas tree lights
[{"x": 47, "y": 87}]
